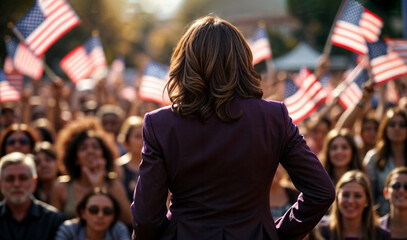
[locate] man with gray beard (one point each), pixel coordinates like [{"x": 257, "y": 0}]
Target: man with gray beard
[{"x": 21, "y": 215}]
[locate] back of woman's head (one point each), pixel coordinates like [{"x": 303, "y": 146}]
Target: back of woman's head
[
  {"x": 368, "y": 216},
  {"x": 211, "y": 65}
]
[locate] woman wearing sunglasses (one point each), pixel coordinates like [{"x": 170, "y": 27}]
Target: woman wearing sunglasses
[
  {"x": 18, "y": 137},
  {"x": 390, "y": 152},
  {"x": 97, "y": 219},
  {"x": 395, "y": 191}
]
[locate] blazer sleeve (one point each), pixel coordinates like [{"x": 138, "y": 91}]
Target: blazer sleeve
[
  {"x": 309, "y": 177},
  {"x": 149, "y": 204}
]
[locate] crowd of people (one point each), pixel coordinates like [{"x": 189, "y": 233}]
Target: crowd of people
[{"x": 70, "y": 161}]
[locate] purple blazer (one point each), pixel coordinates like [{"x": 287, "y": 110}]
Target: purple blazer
[{"x": 220, "y": 175}]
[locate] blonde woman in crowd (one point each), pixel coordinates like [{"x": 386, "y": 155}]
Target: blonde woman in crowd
[{"x": 352, "y": 214}]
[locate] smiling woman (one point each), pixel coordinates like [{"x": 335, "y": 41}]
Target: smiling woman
[{"x": 352, "y": 215}]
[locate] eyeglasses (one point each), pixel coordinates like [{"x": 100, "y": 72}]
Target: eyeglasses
[
  {"x": 397, "y": 186},
  {"x": 393, "y": 124},
  {"x": 22, "y": 141},
  {"x": 107, "y": 211}
]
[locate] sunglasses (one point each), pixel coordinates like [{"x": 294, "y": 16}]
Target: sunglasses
[
  {"x": 398, "y": 185},
  {"x": 22, "y": 141},
  {"x": 393, "y": 124},
  {"x": 107, "y": 211}
]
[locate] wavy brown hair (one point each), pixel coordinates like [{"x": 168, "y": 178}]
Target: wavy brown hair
[
  {"x": 383, "y": 145},
  {"x": 355, "y": 162},
  {"x": 211, "y": 65}
]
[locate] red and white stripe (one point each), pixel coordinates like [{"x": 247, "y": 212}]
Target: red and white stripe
[
  {"x": 77, "y": 64},
  {"x": 398, "y": 46},
  {"x": 11, "y": 89},
  {"x": 388, "y": 67},
  {"x": 349, "y": 36},
  {"x": 60, "y": 18},
  {"x": 261, "y": 50},
  {"x": 371, "y": 26},
  {"x": 151, "y": 89},
  {"x": 309, "y": 96},
  {"x": 27, "y": 63}
]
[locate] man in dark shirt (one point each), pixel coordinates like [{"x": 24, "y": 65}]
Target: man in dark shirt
[{"x": 21, "y": 215}]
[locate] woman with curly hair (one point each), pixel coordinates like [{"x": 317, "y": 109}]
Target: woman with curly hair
[
  {"x": 86, "y": 154},
  {"x": 389, "y": 152},
  {"x": 340, "y": 154}
]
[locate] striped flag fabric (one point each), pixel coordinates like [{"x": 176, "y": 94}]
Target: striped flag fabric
[
  {"x": 23, "y": 59},
  {"x": 94, "y": 49},
  {"x": 351, "y": 89},
  {"x": 355, "y": 26},
  {"x": 260, "y": 46},
  {"x": 45, "y": 23},
  {"x": 385, "y": 65},
  {"x": 11, "y": 86},
  {"x": 153, "y": 82},
  {"x": 398, "y": 46},
  {"x": 77, "y": 64},
  {"x": 303, "y": 95}
]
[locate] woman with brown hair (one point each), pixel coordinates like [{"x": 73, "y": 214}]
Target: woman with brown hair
[
  {"x": 352, "y": 215},
  {"x": 47, "y": 170},
  {"x": 86, "y": 153},
  {"x": 340, "y": 154},
  {"x": 18, "y": 137},
  {"x": 389, "y": 152},
  {"x": 217, "y": 147},
  {"x": 97, "y": 218},
  {"x": 131, "y": 137}
]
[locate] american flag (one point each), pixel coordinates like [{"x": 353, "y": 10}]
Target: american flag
[
  {"x": 94, "y": 49},
  {"x": 260, "y": 46},
  {"x": 11, "y": 86},
  {"x": 355, "y": 26},
  {"x": 399, "y": 46},
  {"x": 77, "y": 64},
  {"x": 350, "y": 90},
  {"x": 45, "y": 23},
  {"x": 153, "y": 82},
  {"x": 385, "y": 65},
  {"x": 23, "y": 59},
  {"x": 116, "y": 71},
  {"x": 304, "y": 95}
]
